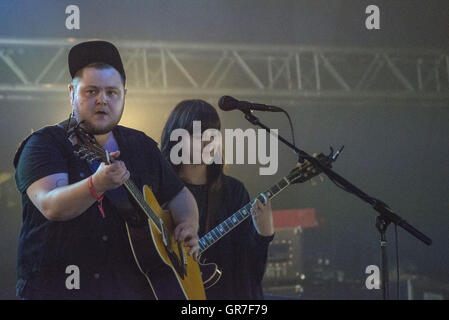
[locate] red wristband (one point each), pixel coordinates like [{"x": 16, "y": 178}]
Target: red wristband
[{"x": 94, "y": 194}]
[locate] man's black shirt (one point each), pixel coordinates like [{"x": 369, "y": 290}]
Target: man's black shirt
[{"x": 97, "y": 246}]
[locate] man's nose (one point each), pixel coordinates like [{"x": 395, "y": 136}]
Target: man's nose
[{"x": 101, "y": 97}]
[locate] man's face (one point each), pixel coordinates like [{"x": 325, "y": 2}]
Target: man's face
[{"x": 98, "y": 99}]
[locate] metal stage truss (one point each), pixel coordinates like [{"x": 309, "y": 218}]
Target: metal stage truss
[{"x": 33, "y": 68}]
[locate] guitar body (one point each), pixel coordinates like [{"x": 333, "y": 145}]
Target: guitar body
[{"x": 169, "y": 270}]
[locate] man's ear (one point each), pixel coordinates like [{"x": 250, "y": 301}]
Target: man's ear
[{"x": 71, "y": 93}]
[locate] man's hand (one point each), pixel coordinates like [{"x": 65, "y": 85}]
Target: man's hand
[
  {"x": 110, "y": 176},
  {"x": 184, "y": 211},
  {"x": 187, "y": 233}
]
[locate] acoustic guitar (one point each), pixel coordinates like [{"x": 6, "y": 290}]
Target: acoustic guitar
[{"x": 171, "y": 273}]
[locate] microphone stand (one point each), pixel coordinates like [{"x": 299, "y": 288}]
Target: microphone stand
[{"x": 385, "y": 217}]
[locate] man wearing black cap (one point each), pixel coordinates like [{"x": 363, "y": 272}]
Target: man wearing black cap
[{"x": 64, "y": 227}]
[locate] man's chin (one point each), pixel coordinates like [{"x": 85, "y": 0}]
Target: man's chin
[{"x": 99, "y": 130}]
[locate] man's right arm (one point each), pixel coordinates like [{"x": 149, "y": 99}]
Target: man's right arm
[{"x": 59, "y": 201}]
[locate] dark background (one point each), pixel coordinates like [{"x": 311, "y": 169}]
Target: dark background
[{"x": 397, "y": 154}]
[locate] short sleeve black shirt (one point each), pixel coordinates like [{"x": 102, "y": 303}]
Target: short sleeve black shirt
[{"x": 97, "y": 246}]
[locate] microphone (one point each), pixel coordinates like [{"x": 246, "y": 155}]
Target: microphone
[{"x": 227, "y": 103}]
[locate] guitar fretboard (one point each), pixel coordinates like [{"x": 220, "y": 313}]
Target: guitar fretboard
[{"x": 233, "y": 221}]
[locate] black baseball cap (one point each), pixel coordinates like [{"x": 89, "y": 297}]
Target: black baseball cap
[{"x": 85, "y": 53}]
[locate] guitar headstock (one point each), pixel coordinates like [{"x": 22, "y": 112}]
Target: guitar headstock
[
  {"x": 306, "y": 171},
  {"x": 86, "y": 147}
]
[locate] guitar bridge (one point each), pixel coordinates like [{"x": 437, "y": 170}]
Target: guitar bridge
[
  {"x": 183, "y": 254},
  {"x": 180, "y": 264}
]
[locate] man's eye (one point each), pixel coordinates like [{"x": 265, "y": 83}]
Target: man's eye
[
  {"x": 112, "y": 92},
  {"x": 91, "y": 91}
]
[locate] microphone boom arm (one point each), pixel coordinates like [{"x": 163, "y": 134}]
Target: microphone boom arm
[{"x": 383, "y": 209}]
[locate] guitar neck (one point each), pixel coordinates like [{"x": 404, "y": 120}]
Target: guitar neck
[
  {"x": 233, "y": 221},
  {"x": 138, "y": 197}
]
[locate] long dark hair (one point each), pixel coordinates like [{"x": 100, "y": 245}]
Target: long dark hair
[{"x": 182, "y": 117}]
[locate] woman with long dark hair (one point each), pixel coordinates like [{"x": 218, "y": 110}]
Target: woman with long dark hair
[{"x": 241, "y": 254}]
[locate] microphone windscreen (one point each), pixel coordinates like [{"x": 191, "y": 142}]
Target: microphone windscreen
[{"x": 227, "y": 103}]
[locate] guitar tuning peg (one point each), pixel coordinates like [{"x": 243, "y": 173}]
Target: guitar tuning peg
[
  {"x": 315, "y": 154},
  {"x": 321, "y": 178},
  {"x": 312, "y": 182}
]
